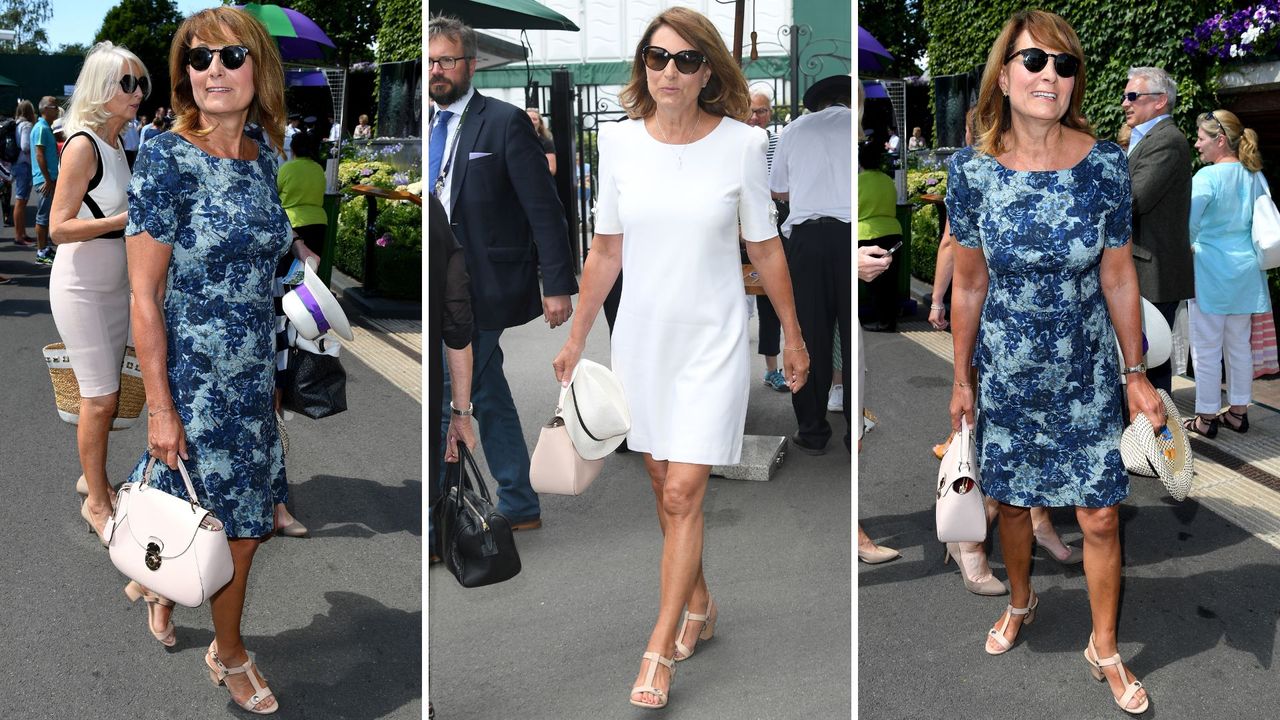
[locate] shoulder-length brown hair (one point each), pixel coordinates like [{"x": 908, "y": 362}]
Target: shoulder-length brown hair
[
  {"x": 229, "y": 25},
  {"x": 725, "y": 94},
  {"x": 992, "y": 117}
]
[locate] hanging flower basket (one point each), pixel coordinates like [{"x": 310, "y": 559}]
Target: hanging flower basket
[{"x": 1251, "y": 31}]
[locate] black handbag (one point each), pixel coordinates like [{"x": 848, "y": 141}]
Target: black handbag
[
  {"x": 317, "y": 383},
  {"x": 474, "y": 539}
]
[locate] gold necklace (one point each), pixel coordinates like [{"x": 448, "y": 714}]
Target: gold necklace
[{"x": 683, "y": 146}]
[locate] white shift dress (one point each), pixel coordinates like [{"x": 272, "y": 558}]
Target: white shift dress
[{"x": 680, "y": 340}]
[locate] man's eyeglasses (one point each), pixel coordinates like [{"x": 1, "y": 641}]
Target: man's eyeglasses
[
  {"x": 1034, "y": 60},
  {"x": 233, "y": 56},
  {"x": 760, "y": 111},
  {"x": 1133, "y": 96},
  {"x": 129, "y": 83},
  {"x": 448, "y": 63},
  {"x": 657, "y": 59}
]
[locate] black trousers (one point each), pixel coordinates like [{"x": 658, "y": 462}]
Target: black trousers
[
  {"x": 820, "y": 255},
  {"x": 883, "y": 302}
]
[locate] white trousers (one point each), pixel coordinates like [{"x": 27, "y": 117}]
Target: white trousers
[{"x": 1212, "y": 336}]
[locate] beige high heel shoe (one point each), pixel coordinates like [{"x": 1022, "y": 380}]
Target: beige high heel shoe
[
  {"x": 877, "y": 556},
  {"x": 261, "y": 693},
  {"x": 1130, "y": 688},
  {"x": 974, "y": 570},
  {"x": 169, "y": 636},
  {"x": 88, "y": 521},
  {"x": 997, "y": 634},
  {"x": 647, "y": 686},
  {"x": 708, "y": 629}
]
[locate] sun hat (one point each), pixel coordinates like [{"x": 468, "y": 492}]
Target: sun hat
[
  {"x": 595, "y": 410},
  {"x": 314, "y": 310},
  {"x": 1165, "y": 455},
  {"x": 1157, "y": 338}
]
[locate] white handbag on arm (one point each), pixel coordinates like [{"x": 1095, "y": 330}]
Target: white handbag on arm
[
  {"x": 961, "y": 511},
  {"x": 171, "y": 546},
  {"x": 1266, "y": 225}
]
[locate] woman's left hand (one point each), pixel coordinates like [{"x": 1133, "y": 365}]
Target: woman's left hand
[
  {"x": 1143, "y": 399},
  {"x": 795, "y": 367},
  {"x": 304, "y": 253}
]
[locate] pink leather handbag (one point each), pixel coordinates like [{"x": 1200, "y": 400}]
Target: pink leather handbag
[{"x": 556, "y": 467}]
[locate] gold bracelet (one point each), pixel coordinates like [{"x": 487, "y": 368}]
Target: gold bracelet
[
  {"x": 802, "y": 348},
  {"x": 153, "y": 413}
]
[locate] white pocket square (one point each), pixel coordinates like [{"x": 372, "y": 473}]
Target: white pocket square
[{"x": 477, "y": 156}]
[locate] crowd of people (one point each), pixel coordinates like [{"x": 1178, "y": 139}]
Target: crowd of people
[{"x": 678, "y": 330}]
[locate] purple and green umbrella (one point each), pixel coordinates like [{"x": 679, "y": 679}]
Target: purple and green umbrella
[{"x": 298, "y": 36}]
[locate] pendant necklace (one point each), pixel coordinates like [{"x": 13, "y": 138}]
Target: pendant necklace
[{"x": 683, "y": 147}]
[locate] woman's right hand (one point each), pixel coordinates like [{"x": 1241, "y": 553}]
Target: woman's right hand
[
  {"x": 566, "y": 360},
  {"x": 166, "y": 438},
  {"x": 961, "y": 405}
]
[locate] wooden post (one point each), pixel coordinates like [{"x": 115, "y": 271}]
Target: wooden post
[{"x": 739, "y": 19}]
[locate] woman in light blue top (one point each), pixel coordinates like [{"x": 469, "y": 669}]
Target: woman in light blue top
[{"x": 1230, "y": 285}]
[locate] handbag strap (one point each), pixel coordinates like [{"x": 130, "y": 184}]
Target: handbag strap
[
  {"x": 186, "y": 479},
  {"x": 476, "y": 481}
]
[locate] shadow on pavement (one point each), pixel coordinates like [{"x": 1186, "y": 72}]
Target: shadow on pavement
[{"x": 339, "y": 500}]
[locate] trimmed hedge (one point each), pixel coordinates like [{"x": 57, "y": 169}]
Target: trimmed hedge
[
  {"x": 400, "y": 35},
  {"x": 1115, "y": 36}
]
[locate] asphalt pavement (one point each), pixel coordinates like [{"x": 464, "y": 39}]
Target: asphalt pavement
[
  {"x": 1199, "y": 605},
  {"x": 563, "y": 639},
  {"x": 334, "y": 621}
]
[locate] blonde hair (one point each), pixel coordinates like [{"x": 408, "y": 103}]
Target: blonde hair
[
  {"x": 726, "y": 92},
  {"x": 993, "y": 116},
  {"x": 228, "y": 25},
  {"x": 1242, "y": 141},
  {"x": 97, "y": 84}
]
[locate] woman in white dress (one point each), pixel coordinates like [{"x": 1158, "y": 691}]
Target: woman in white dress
[
  {"x": 89, "y": 285},
  {"x": 679, "y": 181}
]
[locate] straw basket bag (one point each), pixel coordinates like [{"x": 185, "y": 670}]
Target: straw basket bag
[{"x": 66, "y": 391}]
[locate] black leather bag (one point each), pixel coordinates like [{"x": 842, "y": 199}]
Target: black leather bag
[
  {"x": 317, "y": 383},
  {"x": 474, "y": 539}
]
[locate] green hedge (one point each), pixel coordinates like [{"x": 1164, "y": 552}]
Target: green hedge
[
  {"x": 1115, "y": 37},
  {"x": 400, "y": 35},
  {"x": 400, "y": 260}
]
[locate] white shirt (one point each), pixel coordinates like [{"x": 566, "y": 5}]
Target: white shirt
[
  {"x": 289, "y": 132},
  {"x": 812, "y": 165},
  {"x": 457, "y": 108},
  {"x": 335, "y": 132}
]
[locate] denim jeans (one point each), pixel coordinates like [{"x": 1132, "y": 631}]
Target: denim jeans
[
  {"x": 501, "y": 435},
  {"x": 46, "y": 202}
]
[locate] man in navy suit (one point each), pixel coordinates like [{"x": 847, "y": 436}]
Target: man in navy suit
[{"x": 488, "y": 169}]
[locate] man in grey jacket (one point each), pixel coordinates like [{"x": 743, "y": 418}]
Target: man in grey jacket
[{"x": 1160, "y": 170}]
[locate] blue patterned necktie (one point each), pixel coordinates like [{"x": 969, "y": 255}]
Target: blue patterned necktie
[{"x": 435, "y": 153}]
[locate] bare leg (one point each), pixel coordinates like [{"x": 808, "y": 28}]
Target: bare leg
[
  {"x": 1046, "y": 536},
  {"x": 42, "y": 236},
  {"x": 1015, "y": 545},
  {"x": 680, "y": 489},
  {"x": 228, "y": 607},
  {"x": 20, "y": 220},
  {"x": 91, "y": 438},
  {"x": 1101, "y": 528}
]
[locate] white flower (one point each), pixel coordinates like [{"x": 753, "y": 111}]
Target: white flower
[
  {"x": 1235, "y": 50},
  {"x": 1249, "y": 36}
]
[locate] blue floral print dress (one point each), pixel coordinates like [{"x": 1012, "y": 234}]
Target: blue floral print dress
[
  {"x": 224, "y": 220},
  {"x": 1049, "y": 410}
]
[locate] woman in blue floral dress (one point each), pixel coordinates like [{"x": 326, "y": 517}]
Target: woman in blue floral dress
[
  {"x": 1040, "y": 212},
  {"x": 205, "y": 231}
]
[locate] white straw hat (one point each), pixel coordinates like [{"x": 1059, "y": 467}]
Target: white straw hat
[
  {"x": 1165, "y": 455},
  {"x": 314, "y": 310},
  {"x": 595, "y": 410}
]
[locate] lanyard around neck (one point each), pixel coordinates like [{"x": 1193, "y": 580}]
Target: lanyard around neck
[{"x": 453, "y": 147}]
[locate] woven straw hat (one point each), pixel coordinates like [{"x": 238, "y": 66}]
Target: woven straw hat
[{"x": 1166, "y": 455}]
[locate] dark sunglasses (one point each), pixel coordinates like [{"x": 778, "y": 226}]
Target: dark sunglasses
[
  {"x": 1034, "y": 60},
  {"x": 129, "y": 83},
  {"x": 687, "y": 61},
  {"x": 199, "y": 58},
  {"x": 1211, "y": 116},
  {"x": 1133, "y": 96}
]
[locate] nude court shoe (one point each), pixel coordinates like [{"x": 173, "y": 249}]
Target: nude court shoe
[
  {"x": 877, "y": 556},
  {"x": 974, "y": 569}
]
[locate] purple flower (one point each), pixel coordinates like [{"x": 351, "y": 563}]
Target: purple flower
[
  {"x": 366, "y": 172},
  {"x": 931, "y": 182},
  {"x": 384, "y": 240}
]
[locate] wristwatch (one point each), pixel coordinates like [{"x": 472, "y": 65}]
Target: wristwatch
[
  {"x": 468, "y": 412},
  {"x": 1139, "y": 368}
]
